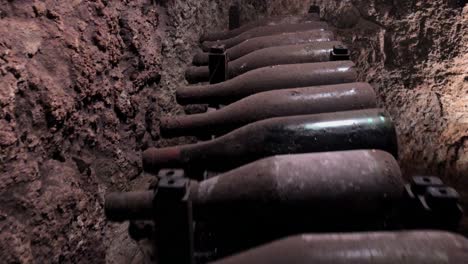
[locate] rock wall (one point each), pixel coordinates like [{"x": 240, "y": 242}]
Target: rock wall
[
  {"x": 77, "y": 80},
  {"x": 82, "y": 85},
  {"x": 415, "y": 55}
]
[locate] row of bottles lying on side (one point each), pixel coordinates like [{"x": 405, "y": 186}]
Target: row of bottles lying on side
[
  {"x": 290, "y": 157},
  {"x": 258, "y": 43},
  {"x": 353, "y": 190},
  {"x": 272, "y": 44},
  {"x": 278, "y": 55}
]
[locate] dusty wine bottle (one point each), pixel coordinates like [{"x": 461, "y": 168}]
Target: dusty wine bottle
[
  {"x": 267, "y": 79},
  {"x": 288, "y": 102},
  {"x": 269, "y": 21},
  {"x": 318, "y": 190},
  {"x": 264, "y": 31},
  {"x": 360, "y": 129},
  {"x": 251, "y": 45},
  {"x": 409, "y": 247},
  {"x": 297, "y": 185},
  {"x": 290, "y": 54}
]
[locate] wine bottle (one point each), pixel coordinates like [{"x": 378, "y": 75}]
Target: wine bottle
[
  {"x": 267, "y": 79},
  {"x": 290, "y": 54},
  {"x": 288, "y": 102},
  {"x": 269, "y": 21},
  {"x": 283, "y": 195},
  {"x": 264, "y": 31},
  {"x": 251, "y": 45},
  {"x": 360, "y": 185},
  {"x": 359, "y": 129},
  {"x": 415, "y": 247}
]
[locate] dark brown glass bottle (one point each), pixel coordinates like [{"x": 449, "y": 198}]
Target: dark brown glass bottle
[
  {"x": 415, "y": 247},
  {"x": 284, "y": 195},
  {"x": 289, "y": 54},
  {"x": 251, "y": 45},
  {"x": 319, "y": 188},
  {"x": 288, "y": 102},
  {"x": 267, "y": 79},
  {"x": 264, "y": 31},
  {"x": 269, "y": 21},
  {"x": 360, "y": 129}
]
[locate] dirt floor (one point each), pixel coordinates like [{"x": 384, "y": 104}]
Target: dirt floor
[{"x": 83, "y": 83}]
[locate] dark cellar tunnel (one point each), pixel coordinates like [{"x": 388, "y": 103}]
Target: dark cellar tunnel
[{"x": 240, "y": 131}]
